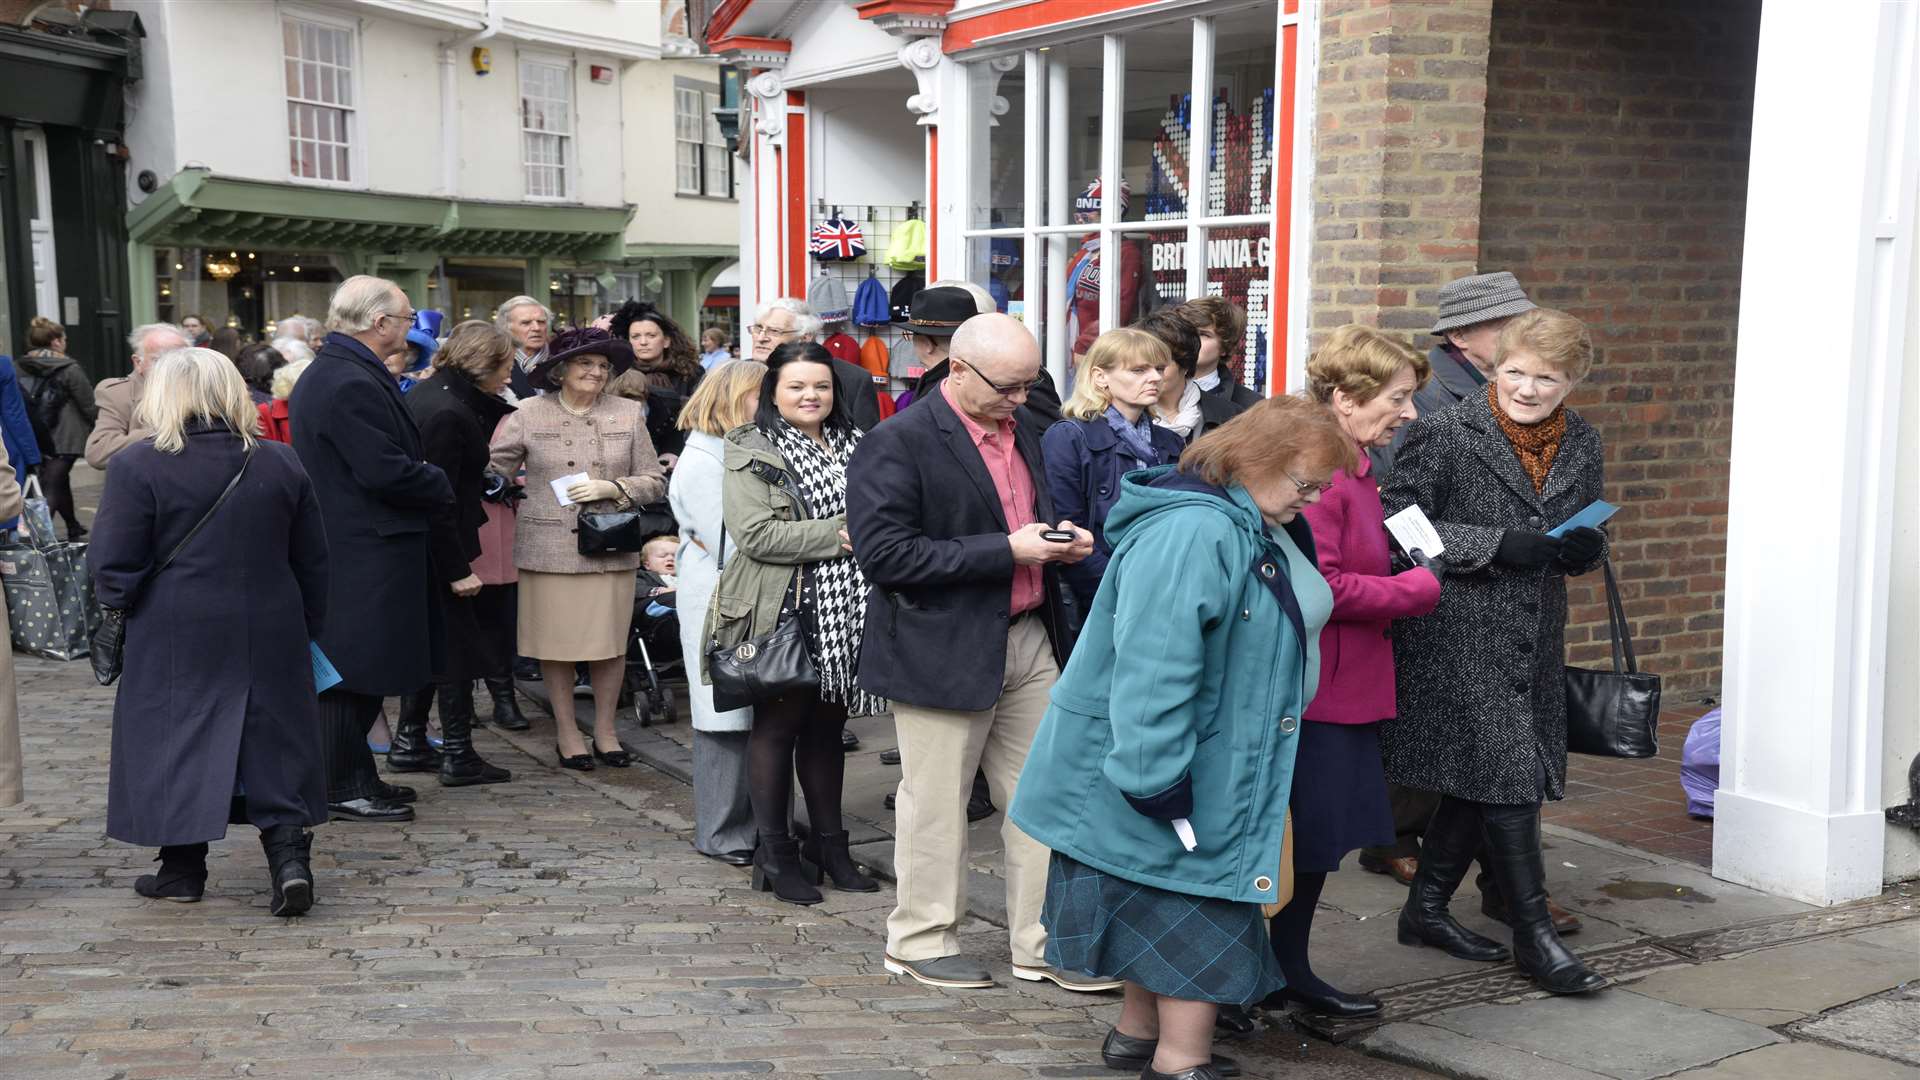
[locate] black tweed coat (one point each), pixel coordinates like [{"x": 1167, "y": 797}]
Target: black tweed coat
[{"x": 1482, "y": 701}]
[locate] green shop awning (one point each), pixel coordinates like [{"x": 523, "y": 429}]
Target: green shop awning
[{"x": 199, "y": 209}]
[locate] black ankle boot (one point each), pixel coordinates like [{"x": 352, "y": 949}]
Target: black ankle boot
[
  {"x": 460, "y": 765},
  {"x": 182, "y": 877},
  {"x": 506, "y": 704},
  {"x": 410, "y": 751},
  {"x": 1513, "y": 849},
  {"x": 289, "y": 851},
  {"x": 1446, "y": 850},
  {"x": 829, "y": 852},
  {"x": 777, "y": 869}
]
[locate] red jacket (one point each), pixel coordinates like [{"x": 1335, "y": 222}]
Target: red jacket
[
  {"x": 1356, "y": 648},
  {"x": 275, "y": 424},
  {"x": 1086, "y": 291}
]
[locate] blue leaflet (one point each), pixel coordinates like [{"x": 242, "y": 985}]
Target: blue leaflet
[
  {"x": 1593, "y": 516},
  {"x": 324, "y": 676}
]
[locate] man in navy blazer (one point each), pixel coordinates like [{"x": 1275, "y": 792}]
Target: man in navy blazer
[
  {"x": 968, "y": 625},
  {"x": 359, "y": 445}
]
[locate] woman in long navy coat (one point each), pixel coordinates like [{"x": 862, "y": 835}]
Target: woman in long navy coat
[{"x": 216, "y": 718}]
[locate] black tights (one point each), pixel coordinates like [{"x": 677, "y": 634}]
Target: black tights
[
  {"x": 56, "y": 480},
  {"x": 1290, "y": 929},
  {"x": 796, "y": 733}
]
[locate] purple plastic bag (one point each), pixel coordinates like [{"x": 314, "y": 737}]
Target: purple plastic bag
[{"x": 1700, "y": 764}]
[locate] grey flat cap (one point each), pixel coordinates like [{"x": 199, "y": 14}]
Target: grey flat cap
[{"x": 1478, "y": 299}]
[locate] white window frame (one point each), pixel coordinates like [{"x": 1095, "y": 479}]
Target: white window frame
[
  {"x": 569, "y": 139},
  {"x": 356, "y": 129},
  {"x": 709, "y": 95}
]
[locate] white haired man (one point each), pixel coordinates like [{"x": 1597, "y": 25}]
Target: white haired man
[
  {"x": 114, "y": 429},
  {"x": 529, "y": 323},
  {"x": 786, "y": 319}
]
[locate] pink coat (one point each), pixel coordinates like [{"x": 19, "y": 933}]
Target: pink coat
[{"x": 1356, "y": 648}]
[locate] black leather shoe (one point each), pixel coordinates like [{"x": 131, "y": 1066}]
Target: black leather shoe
[
  {"x": 849, "y": 742},
  {"x": 506, "y": 705},
  {"x": 980, "y": 803},
  {"x": 1513, "y": 847},
  {"x": 890, "y": 757},
  {"x": 1198, "y": 1072},
  {"x": 613, "y": 759},
  {"x": 1333, "y": 1003},
  {"x": 369, "y": 810},
  {"x": 397, "y": 793},
  {"x": 1446, "y": 851},
  {"x": 182, "y": 877},
  {"x": 731, "y": 858},
  {"x": 1234, "y": 1022},
  {"x": 1126, "y": 1052},
  {"x": 576, "y": 762}
]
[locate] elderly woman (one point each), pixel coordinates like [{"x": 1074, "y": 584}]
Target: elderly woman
[
  {"x": 784, "y": 504},
  {"x": 457, "y": 411},
  {"x": 575, "y": 607},
  {"x": 1483, "y": 715},
  {"x": 722, "y": 816},
  {"x": 1161, "y": 773},
  {"x": 203, "y": 729},
  {"x": 786, "y": 320}
]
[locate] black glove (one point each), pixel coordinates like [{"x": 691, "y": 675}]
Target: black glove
[
  {"x": 1527, "y": 549},
  {"x": 1579, "y": 547},
  {"x": 498, "y": 489},
  {"x": 1426, "y": 562}
]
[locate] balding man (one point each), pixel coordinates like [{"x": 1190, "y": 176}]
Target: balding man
[
  {"x": 114, "y": 429},
  {"x": 967, "y": 628}
]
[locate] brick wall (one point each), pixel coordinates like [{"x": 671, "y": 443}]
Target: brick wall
[
  {"x": 1616, "y": 148},
  {"x": 1396, "y": 189}
]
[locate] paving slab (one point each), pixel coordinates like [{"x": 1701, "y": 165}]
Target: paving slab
[
  {"x": 1668, "y": 899},
  {"x": 1449, "y": 1053},
  {"x": 1888, "y": 1025},
  {"x": 1803, "y": 1061},
  {"x": 1615, "y": 1033},
  {"x": 1789, "y": 982}
]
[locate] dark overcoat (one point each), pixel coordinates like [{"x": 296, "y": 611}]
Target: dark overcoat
[
  {"x": 1483, "y": 709},
  {"x": 930, "y": 536},
  {"x": 377, "y": 495},
  {"x": 456, "y": 418},
  {"x": 218, "y": 682}
]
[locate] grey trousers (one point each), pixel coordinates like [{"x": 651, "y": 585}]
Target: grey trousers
[{"x": 722, "y": 817}]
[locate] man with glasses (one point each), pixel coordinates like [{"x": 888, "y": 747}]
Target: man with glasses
[
  {"x": 785, "y": 320},
  {"x": 359, "y": 445},
  {"x": 967, "y": 628},
  {"x": 114, "y": 429},
  {"x": 527, "y": 321}
]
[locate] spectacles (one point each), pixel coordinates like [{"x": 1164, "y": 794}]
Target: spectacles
[
  {"x": 763, "y": 330},
  {"x": 409, "y": 317},
  {"x": 1305, "y": 488},
  {"x": 1010, "y": 390}
]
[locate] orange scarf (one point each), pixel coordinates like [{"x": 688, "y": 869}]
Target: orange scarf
[{"x": 1534, "y": 444}]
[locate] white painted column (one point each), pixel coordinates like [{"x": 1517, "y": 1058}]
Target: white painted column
[
  {"x": 765, "y": 273},
  {"x": 1830, "y": 235}
]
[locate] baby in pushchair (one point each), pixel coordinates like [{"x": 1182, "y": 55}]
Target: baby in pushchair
[{"x": 653, "y": 647}]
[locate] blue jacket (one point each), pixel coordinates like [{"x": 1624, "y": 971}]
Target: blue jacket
[
  {"x": 1084, "y": 465},
  {"x": 1184, "y": 695},
  {"x": 23, "y": 450}
]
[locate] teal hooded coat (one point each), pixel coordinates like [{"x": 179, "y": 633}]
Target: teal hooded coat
[{"x": 1184, "y": 695}]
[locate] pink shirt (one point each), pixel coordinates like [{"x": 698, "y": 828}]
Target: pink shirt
[{"x": 1013, "y": 481}]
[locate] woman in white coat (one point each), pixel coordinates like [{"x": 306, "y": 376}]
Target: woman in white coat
[{"x": 722, "y": 818}]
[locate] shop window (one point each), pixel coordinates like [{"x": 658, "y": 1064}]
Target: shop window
[
  {"x": 546, "y": 126},
  {"x": 702, "y": 164},
  {"x": 319, "y": 62}
]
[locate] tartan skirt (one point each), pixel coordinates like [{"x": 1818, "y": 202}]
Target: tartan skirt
[{"x": 1194, "y": 948}]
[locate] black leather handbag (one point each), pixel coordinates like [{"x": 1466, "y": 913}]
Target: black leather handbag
[
  {"x": 764, "y": 667},
  {"x": 1614, "y": 713},
  {"x": 622, "y": 532}
]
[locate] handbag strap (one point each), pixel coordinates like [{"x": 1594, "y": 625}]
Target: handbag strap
[
  {"x": 245, "y": 460},
  {"x": 1617, "y": 627}
]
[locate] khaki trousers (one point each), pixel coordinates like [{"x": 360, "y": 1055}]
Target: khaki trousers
[{"x": 940, "y": 750}]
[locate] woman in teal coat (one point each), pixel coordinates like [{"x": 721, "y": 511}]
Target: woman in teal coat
[{"x": 1175, "y": 724}]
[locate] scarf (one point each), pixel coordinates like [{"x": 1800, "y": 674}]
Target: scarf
[
  {"x": 1187, "y": 417},
  {"x": 834, "y": 590},
  {"x": 1136, "y": 438},
  {"x": 1534, "y": 444}
]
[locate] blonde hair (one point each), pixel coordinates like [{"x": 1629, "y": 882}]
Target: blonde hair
[
  {"x": 1556, "y": 337},
  {"x": 285, "y": 376},
  {"x": 476, "y": 348},
  {"x": 1115, "y": 349},
  {"x": 1360, "y": 361},
  {"x": 725, "y": 399},
  {"x": 194, "y": 384}
]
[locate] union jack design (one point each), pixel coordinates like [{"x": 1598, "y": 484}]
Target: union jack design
[{"x": 837, "y": 238}]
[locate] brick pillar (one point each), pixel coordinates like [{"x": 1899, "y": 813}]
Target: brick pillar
[{"x": 1396, "y": 192}]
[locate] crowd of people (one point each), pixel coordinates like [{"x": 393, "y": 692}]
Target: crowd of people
[{"x": 1159, "y": 617}]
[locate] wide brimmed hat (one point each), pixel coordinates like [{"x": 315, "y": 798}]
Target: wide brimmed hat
[
  {"x": 582, "y": 341},
  {"x": 939, "y": 311},
  {"x": 1478, "y": 299}
]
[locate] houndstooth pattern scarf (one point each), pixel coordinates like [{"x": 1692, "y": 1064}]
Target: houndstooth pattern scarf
[{"x": 839, "y": 589}]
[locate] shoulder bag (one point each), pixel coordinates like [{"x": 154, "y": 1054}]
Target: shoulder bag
[
  {"x": 1614, "y": 713},
  {"x": 764, "y": 667},
  {"x": 110, "y": 637}
]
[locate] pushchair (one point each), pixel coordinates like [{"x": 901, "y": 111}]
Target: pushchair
[{"x": 654, "y": 659}]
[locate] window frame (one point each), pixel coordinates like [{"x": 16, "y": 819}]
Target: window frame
[
  {"x": 355, "y": 126},
  {"x": 709, "y": 95},
  {"x": 568, "y": 140}
]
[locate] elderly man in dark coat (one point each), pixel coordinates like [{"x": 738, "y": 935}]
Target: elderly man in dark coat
[{"x": 377, "y": 496}]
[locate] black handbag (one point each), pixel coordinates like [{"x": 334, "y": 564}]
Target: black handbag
[
  {"x": 1614, "y": 713},
  {"x": 106, "y": 648},
  {"x": 622, "y": 532},
  {"x": 760, "y": 668}
]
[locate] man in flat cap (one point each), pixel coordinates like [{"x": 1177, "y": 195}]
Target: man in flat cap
[{"x": 1472, "y": 311}]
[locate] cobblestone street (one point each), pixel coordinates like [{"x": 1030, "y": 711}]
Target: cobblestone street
[{"x": 551, "y": 927}]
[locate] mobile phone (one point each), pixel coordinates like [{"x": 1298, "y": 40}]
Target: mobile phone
[{"x": 1058, "y": 536}]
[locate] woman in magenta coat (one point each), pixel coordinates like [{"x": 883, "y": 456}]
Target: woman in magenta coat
[{"x": 1339, "y": 801}]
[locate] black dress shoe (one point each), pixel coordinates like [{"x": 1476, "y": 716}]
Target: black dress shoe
[
  {"x": 731, "y": 858},
  {"x": 1234, "y": 1022},
  {"x": 369, "y": 810},
  {"x": 613, "y": 759},
  {"x": 397, "y": 793},
  {"x": 1333, "y": 1003},
  {"x": 849, "y": 742},
  {"x": 576, "y": 762},
  {"x": 1126, "y": 1052},
  {"x": 890, "y": 757},
  {"x": 1198, "y": 1072}
]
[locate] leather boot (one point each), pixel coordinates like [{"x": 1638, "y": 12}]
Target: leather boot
[
  {"x": 460, "y": 765},
  {"x": 182, "y": 877},
  {"x": 410, "y": 751},
  {"x": 289, "y": 850},
  {"x": 506, "y": 704},
  {"x": 1513, "y": 849},
  {"x": 829, "y": 852},
  {"x": 1446, "y": 851},
  {"x": 777, "y": 869}
]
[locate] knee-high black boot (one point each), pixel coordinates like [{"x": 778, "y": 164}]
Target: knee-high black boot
[
  {"x": 506, "y": 704},
  {"x": 1513, "y": 848},
  {"x": 460, "y": 765},
  {"x": 289, "y": 850},
  {"x": 182, "y": 877},
  {"x": 1288, "y": 932},
  {"x": 410, "y": 751},
  {"x": 1445, "y": 853}
]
